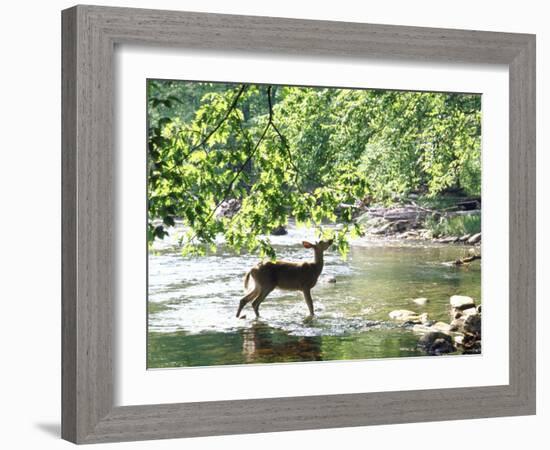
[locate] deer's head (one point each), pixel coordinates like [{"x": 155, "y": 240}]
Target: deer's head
[{"x": 318, "y": 246}]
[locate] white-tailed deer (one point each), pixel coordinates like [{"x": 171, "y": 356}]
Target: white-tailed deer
[{"x": 289, "y": 276}]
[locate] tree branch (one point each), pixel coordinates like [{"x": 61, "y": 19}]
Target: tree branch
[
  {"x": 216, "y": 128},
  {"x": 270, "y": 124},
  {"x": 291, "y": 158},
  {"x": 240, "y": 169},
  {"x": 224, "y": 118}
]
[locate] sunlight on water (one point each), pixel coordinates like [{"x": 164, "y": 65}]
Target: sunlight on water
[{"x": 193, "y": 301}]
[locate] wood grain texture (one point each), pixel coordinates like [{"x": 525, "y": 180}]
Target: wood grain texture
[
  {"x": 68, "y": 226},
  {"x": 522, "y": 193},
  {"x": 89, "y": 36}
]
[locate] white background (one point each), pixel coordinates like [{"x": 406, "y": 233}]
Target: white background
[
  {"x": 134, "y": 385},
  {"x": 30, "y": 225}
]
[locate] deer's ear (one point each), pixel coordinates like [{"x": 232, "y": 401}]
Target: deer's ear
[{"x": 307, "y": 244}]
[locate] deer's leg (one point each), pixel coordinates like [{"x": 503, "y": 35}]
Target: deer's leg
[
  {"x": 256, "y": 303},
  {"x": 309, "y": 301},
  {"x": 248, "y": 297}
]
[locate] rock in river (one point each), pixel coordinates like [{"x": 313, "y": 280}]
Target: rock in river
[
  {"x": 436, "y": 343},
  {"x": 462, "y": 302},
  {"x": 421, "y": 301},
  {"x": 404, "y": 315},
  {"x": 442, "y": 326},
  {"x": 329, "y": 279},
  {"x": 472, "y": 324},
  {"x": 469, "y": 311},
  {"x": 279, "y": 231}
]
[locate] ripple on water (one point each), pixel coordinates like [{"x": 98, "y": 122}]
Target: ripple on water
[{"x": 198, "y": 295}]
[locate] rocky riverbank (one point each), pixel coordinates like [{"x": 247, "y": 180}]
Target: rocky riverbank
[
  {"x": 405, "y": 221},
  {"x": 462, "y": 334},
  {"x": 412, "y": 222}
]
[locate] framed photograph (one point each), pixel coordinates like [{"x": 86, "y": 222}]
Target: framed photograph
[{"x": 278, "y": 224}]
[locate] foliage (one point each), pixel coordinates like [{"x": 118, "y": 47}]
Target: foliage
[
  {"x": 455, "y": 225},
  {"x": 312, "y": 154}
]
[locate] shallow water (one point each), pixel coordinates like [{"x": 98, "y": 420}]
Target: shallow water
[{"x": 193, "y": 301}]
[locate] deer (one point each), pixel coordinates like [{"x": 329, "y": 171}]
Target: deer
[{"x": 285, "y": 275}]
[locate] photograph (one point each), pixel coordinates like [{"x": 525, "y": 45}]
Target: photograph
[
  {"x": 245, "y": 225},
  {"x": 311, "y": 223}
]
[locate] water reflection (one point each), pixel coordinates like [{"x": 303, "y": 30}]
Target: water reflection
[{"x": 261, "y": 344}]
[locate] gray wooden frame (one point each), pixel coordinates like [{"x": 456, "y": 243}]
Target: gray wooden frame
[{"x": 89, "y": 36}]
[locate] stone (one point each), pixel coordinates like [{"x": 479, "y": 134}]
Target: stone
[
  {"x": 471, "y": 344},
  {"x": 400, "y": 225},
  {"x": 442, "y": 326},
  {"x": 404, "y": 315},
  {"x": 472, "y": 324},
  {"x": 421, "y": 301},
  {"x": 474, "y": 239},
  {"x": 383, "y": 229},
  {"x": 448, "y": 240},
  {"x": 464, "y": 238},
  {"x": 469, "y": 311},
  {"x": 422, "y": 328},
  {"x": 461, "y": 302},
  {"x": 441, "y": 346},
  {"x": 436, "y": 343},
  {"x": 457, "y": 325},
  {"x": 279, "y": 231}
]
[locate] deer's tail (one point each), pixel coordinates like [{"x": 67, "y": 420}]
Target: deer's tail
[{"x": 247, "y": 278}]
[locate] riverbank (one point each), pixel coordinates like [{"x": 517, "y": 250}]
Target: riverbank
[{"x": 458, "y": 223}]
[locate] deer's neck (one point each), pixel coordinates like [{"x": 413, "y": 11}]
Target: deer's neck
[{"x": 319, "y": 261}]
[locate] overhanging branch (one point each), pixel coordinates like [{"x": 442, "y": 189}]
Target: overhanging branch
[{"x": 223, "y": 119}]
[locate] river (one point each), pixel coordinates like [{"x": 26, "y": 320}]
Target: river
[{"x": 192, "y": 303}]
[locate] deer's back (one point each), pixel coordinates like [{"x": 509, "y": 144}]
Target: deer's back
[{"x": 286, "y": 275}]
